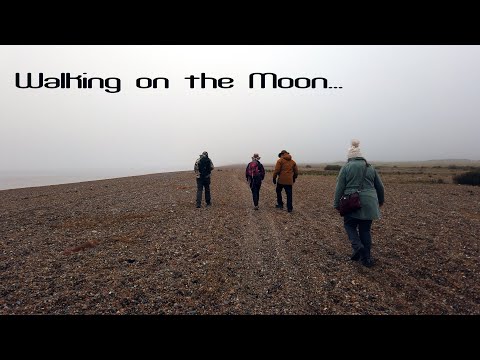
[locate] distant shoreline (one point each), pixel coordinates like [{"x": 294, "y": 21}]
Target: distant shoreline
[{"x": 10, "y": 180}]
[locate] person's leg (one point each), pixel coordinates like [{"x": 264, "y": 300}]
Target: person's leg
[
  {"x": 350, "y": 225},
  {"x": 366, "y": 238},
  {"x": 255, "y": 194},
  {"x": 199, "y": 192},
  {"x": 252, "y": 189},
  {"x": 258, "y": 192},
  {"x": 279, "y": 195},
  {"x": 289, "y": 191},
  {"x": 365, "y": 235},
  {"x": 206, "y": 183}
]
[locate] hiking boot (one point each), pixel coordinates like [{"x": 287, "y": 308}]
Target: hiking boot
[
  {"x": 255, "y": 208},
  {"x": 290, "y": 210},
  {"x": 368, "y": 262},
  {"x": 279, "y": 206},
  {"x": 199, "y": 206},
  {"x": 356, "y": 255},
  {"x": 209, "y": 204}
]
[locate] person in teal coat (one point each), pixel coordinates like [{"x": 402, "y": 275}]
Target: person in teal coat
[{"x": 359, "y": 222}]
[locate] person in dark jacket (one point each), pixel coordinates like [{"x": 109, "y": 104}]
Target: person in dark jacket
[
  {"x": 203, "y": 169},
  {"x": 358, "y": 223},
  {"x": 287, "y": 171},
  {"x": 254, "y": 174}
]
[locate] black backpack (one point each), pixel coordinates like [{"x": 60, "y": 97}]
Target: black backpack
[{"x": 204, "y": 166}]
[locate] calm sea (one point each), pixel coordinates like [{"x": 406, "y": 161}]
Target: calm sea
[{"x": 22, "y": 179}]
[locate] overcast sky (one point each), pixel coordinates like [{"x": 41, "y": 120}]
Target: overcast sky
[{"x": 402, "y": 102}]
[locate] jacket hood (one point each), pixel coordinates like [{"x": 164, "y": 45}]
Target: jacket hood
[{"x": 287, "y": 157}]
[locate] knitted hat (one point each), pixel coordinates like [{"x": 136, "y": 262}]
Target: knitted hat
[
  {"x": 255, "y": 157},
  {"x": 205, "y": 153},
  {"x": 282, "y": 152},
  {"x": 354, "y": 150}
]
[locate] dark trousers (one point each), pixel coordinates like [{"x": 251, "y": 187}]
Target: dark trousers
[
  {"x": 358, "y": 232},
  {"x": 288, "y": 190},
  {"x": 203, "y": 183},
  {"x": 255, "y": 192}
]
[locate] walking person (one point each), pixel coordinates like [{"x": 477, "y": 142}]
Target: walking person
[
  {"x": 203, "y": 169},
  {"x": 358, "y": 173},
  {"x": 287, "y": 171},
  {"x": 254, "y": 174}
]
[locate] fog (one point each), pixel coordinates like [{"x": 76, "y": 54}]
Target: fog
[{"x": 403, "y": 103}]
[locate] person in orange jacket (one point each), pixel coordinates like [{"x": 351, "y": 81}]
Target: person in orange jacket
[{"x": 287, "y": 171}]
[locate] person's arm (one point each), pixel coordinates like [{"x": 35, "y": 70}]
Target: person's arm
[
  {"x": 262, "y": 171},
  {"x": 379, "y": 188},
  {"x": 211, "y": 165},
  {"x": 195, "y": 168},
  {"x": 295, "y": 171},
  {"x": 276, "y": 172},
  {"x": 278, "y": 168},
  {"x": 340, "y": 187},
  {"x": 246, "y": 172}
]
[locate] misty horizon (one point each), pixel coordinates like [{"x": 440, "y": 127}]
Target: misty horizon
[{"x": 52, "y": 171}]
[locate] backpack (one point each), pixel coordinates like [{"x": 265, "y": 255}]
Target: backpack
[
  {"x": 253, "y": 170},
  {"x": 204, "y": 166}
]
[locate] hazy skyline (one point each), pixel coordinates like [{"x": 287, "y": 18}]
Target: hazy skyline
[{"x": 404, "y": 103}]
